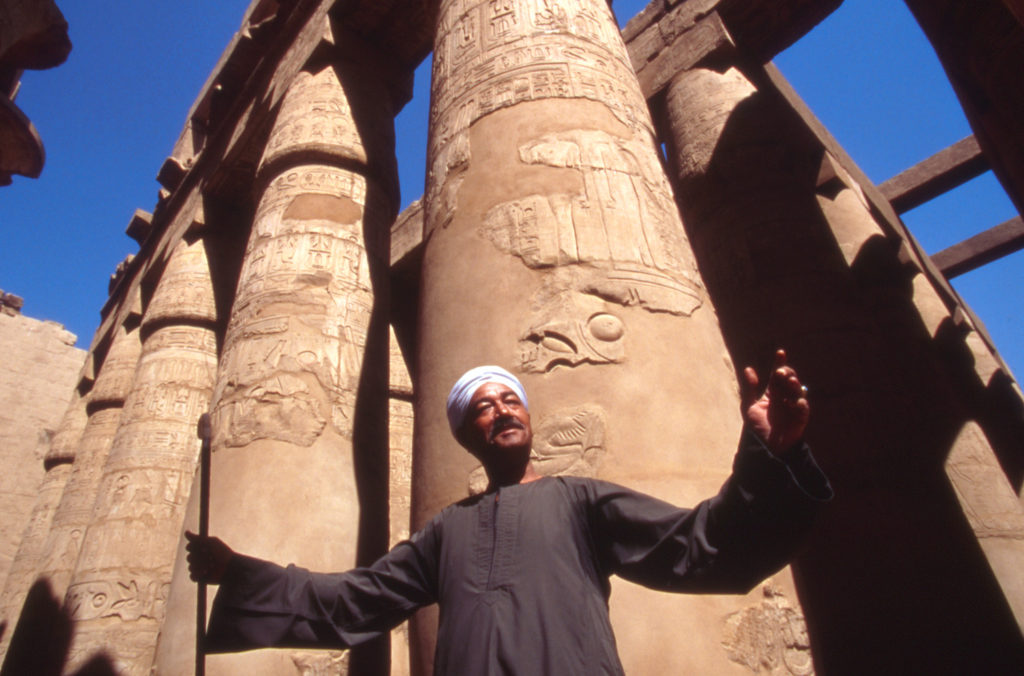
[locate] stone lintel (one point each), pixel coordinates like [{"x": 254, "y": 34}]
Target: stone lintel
[
  {"x": 760, "y": 28},
  {"x": 703, "y": 42},
  {"x": 940, "y": 173},
  {"x": 140, "y": 226},
  {"x": 885, "y": 215},
  {"x": 981, "y": 48},
  {"x": 983, "y": 248}
]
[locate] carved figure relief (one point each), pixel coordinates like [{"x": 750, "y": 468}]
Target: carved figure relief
[
  {"x": 570, "y": 441},
  {"x": 620, "y": 240},
  {"x": 770, "y": 637}
]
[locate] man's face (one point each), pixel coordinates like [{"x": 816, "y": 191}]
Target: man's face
[{"x": 497, "y": 424}]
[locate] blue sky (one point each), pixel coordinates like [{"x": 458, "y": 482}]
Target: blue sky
[{"x": 111, "y": 114}]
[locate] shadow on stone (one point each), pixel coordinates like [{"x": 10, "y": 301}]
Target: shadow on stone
[
  {"x": 39, "y": 644},
  {"x": 100, "y": 665}
]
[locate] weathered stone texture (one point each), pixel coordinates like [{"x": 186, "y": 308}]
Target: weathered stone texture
[
  {"x": 118, "y": 593},
  {"x": 306, "y": 345},
  {"x": 41, "y": 364},
  {"x": 74, "y": 513}
]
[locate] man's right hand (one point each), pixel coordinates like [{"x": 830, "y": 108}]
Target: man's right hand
[{"x": 208, "y": 558}]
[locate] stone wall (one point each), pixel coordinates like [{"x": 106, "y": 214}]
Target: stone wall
[{"x": 40, "y": 366}]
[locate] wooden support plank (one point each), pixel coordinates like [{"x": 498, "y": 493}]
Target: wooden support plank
[
  {"x": 981, "y": 249},
  {"x": 936, "y": 175}
]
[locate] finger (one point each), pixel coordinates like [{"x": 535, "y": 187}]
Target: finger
[
  {"x": 780, "y": 358},
  {"x": 749, "y": 386}
]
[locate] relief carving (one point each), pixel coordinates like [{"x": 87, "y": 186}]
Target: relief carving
[
  {"x": 571, "y": 328},
  {"x": 128, "y": 599},
  {"x": 321, "y": 663},
  {"x": 530, "y": 50},
  {"x": 570, "y": 442},
  {"x": 770, "y": 637},
  {"x": 622, "y": 229},
  {"x": 300, "y": 321},
  {"x": 280, "y": 407}
]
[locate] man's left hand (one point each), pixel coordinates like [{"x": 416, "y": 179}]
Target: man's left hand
[{"x": 778, "y": 415}]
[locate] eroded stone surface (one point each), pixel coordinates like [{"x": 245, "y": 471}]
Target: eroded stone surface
[
  {"x": 306, "y": 345},
  {"x": 41, "y": 363},
  {"x": 74, "y": 513},
  {"x": 120, "y": 586}
]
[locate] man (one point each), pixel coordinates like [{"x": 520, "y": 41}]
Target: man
[{"x": 521, "y": 572}]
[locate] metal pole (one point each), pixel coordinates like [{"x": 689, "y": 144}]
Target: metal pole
[{"x": 204, "y": 432}]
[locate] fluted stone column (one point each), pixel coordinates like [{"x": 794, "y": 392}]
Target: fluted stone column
[
  {"x": 792, "y": 255},
  {"x": 554, "y": 248},
  {"x": 26, "y": 562},
  {"x": 300, "y": 416},
  {"x": 119, "y": 590}
]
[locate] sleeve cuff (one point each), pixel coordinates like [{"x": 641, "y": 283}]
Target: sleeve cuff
[{"x": 801, "y": 470}]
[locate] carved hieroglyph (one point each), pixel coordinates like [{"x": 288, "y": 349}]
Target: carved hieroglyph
[
  {"x": 553, "y": 247},
  {"x": 73, "y": 514},
  {"x": 294, "y": 366},
  {"x": 26, "y": 562},
  {"x": 498, "y": 53},
  {"x": 120, "y": 585}
]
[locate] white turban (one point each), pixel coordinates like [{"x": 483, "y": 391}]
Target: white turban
[{"x": 469, "y": 383}]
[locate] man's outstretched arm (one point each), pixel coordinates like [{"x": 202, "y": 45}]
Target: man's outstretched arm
[{"x": 261, "y": 605}]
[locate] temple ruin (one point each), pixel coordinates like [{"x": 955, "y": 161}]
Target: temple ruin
[{"x": 622, "y": 218}]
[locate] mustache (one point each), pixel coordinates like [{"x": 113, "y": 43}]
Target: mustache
[{"x": 503, "y": 424}]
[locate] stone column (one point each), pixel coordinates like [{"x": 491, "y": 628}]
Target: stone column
[
  {"x": 554, "y": 248},
  {"x": 400, "y": 428},
  {"x": 792, "y": 255},
  {"x": 301, "y": 403},
  {"x": 26, "y": 562},
  {"x": 118, "y": 593},
  {"x": 113, "y": 382}
]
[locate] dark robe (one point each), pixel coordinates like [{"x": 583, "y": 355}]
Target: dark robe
[{"x": 521, "y": 573}]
